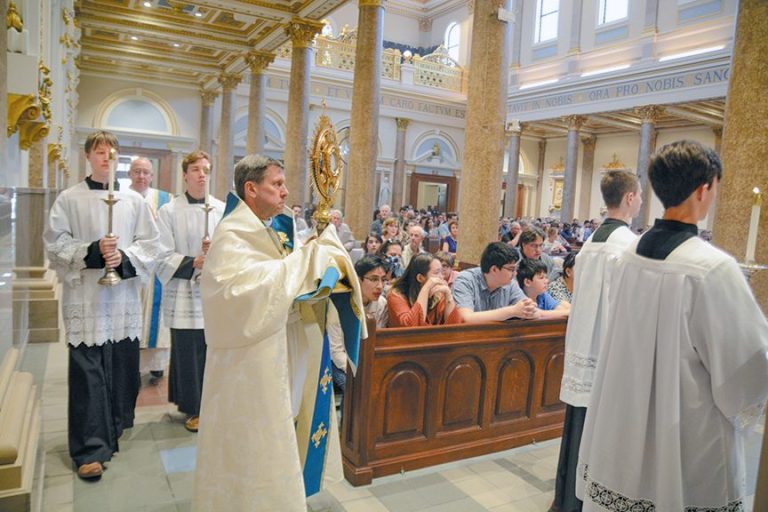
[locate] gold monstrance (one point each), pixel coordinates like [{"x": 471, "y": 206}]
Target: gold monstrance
[{"x": 325, "y": 163}]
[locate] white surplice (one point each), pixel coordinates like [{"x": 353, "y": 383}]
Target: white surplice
[
  {"x": 94, "y": 313},
  {"x": 589, "y": 313},
  {"x": 261, "y": 348},
  {"x": 683, "y": 370},
  {"x": 182, "y": 227}
]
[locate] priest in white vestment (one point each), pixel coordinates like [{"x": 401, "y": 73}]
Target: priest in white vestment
[
  {"x": 589, "y": 311},
  {"x": 155, "y": 339},
  {"x": 182, "y": 237},
  {"x": 102, "y": 323},
  {"x": 683, "y": 367},
  {"x": 268, "y": 437}
]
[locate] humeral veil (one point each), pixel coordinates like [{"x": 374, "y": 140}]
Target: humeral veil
[{"x": 268, "y": 435}]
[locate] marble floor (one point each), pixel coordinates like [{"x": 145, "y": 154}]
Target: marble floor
[{"x": 153, "y": 470}]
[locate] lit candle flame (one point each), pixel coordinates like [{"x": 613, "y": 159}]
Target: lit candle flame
[{"x": 757, "y": 196}]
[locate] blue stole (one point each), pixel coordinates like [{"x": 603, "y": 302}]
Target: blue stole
[{"x": 163, "y": 197}]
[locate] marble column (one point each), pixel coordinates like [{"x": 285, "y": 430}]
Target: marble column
[
  {"x": 513, "y": 169},
  {"x": 718, "y": 133},
  {"x": 257, "y": 103},
  {"x": 37, "y": 164},
  {"x": 364, "y": 128},
  {"x": 649, "y": 114},
  {"x": 208, "y": 99},
  {"x": 302, "y": 33},
  {"x": 540, "y": 172},
  {"x": 398, "y": 178},
  {"x": 568, "y": 207},
  {"x": 744, "y": 154},
  {"x": 223, "y": 171},
  {"x": 486, "y": 110},
  {"x": 587, "y": 173}
]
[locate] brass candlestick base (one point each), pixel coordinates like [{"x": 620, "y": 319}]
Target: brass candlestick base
[{"x": 110, "y": 277}]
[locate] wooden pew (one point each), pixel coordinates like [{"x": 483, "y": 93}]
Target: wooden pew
[{"x": 430, "y": 395}]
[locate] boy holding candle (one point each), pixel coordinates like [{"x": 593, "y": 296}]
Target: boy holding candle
[
  {"x": 102, "y": 322},
  {"x": 683, "y": 362},
  {"x": 183, "y": 231}
]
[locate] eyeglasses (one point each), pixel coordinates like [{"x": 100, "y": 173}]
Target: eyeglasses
[
  {"x": 509, "y": 268},
  {"x": 377, "y": 280}
]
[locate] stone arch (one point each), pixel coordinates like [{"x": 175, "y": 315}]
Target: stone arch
[
  {"x": 423, "y": 144},
  {"x": 145, "y": 107}
]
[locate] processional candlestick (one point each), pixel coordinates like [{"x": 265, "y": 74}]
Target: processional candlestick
[{"x": 110, "y": 277}]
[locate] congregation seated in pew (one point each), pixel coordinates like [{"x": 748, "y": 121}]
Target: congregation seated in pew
[{"x": 421, "y": 296}]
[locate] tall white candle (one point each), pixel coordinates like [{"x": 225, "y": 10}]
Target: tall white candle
[
  {"x": 207, "y": 183},
  {"x": 112, "y": 165},
  {"x": 753, "y": 222}
]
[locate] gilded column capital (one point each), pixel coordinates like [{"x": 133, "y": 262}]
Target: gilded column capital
[
  {"x": 589, "y": 141},
  {"x": 22, "y": 108},
  {"x": 258, "y": 61},
  {"x": 372, "y": 3},
  {"x": 54, "y": 152},
  {"x": 514, "y": 128},
  {"x": 229, "y": 81},
  {"x": 208, "y": 96},
  {"x": 575, "y": 122},
  {"x": 425, "y": 24},
  {"x": 402, "y": 123},
  {"x": 13, "y": 18},
  {"x": 649, "y": 113},
  {"x": 302, "y": 32}
]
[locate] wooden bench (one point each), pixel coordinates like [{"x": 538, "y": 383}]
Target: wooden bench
[{"x": 430, "y": 395}]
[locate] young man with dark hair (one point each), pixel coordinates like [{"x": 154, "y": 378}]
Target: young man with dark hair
[
  {"x": 531, "y": 246},
  {"x": 182, "y": 229},
  {"x": 489, "y": 293},
  {"x": 683, "y": 366},
  {"x": 102, "y": 323},
  {"x": 589, "y": 310}
]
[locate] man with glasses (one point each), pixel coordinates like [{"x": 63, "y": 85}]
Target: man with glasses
[
  {"x": 531, "y": 247},
  {"x": 155, "y": 339},
  {"x": 489, "y": 293}
]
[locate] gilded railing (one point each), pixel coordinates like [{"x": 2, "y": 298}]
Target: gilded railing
[{"x": 439, "y": 70}]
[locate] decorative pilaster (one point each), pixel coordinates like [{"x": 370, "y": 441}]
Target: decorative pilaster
[
  {"x": 3, "y": 106},
  {"x": 257, "y": 62},
  {"x": 208, "y": 99},
  {"x": 223, "y": 171},
  {"x": 486, "y": 109},
  {"x": 571, "y": 163},
  {"x": 587, "y": 172},
  {"x": 540, "y": 172},
  {"x": 744, "y": 154},
  {"x": 364, "y": 128},
  {"x": 302, "y": 33},
  {"x": 37, "y": 159},
  {"x": 398, "y": 180},
  {"x": 649, "y": 114},
  {"x": 513, "y": 169}
]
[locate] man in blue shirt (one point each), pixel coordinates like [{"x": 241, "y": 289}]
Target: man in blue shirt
[
  {"x": 532, "y": 278},
  {"x": 488, "y": 293}
]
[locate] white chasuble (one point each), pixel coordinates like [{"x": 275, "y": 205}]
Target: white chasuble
[
  {"x": 682, "y": 371},
  {"x": 182, "y": 227},
  {"x": 94, "y": 313},
  {"x": 589, "y": 313},
  {"x": 257, "y": 446}
]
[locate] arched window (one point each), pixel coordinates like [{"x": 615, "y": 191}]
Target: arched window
[
  {"x": 547, "y": 13},
  {"x": 453, "y": 40},
  {"x": 613, "y": 10}
]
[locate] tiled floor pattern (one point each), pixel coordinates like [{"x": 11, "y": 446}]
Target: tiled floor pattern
[{"x": 153, "y": 470}]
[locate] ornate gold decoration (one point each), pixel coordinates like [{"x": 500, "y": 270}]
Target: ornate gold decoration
[
  {"x": 439, "y": 69},
  {"x": 326, "y": 379},
  {"x": 258, "y": 61},
  {"x": 589, "y": 142},
  {"x": 425, "y": 24},
  {"x": 54, "y": 153},
  {"x": 229, "y": 81},
  {"x": 614, "y": 164},
  {"x": 66, "y": 16},
  {"x": 68, "y": 41},
  {"x": 649, "y": 113},
  {"x": 31, "y": 132},
  {"x": 44, "y": 90},
  {"x": 575, "y": 122},
  {"x": 325, "y": 167},
  {"x": 557, "y": 195},
  {"x": 208, "y": 96},
  {"x": 22, "y": 108},
  {"x": 560, "y": 166},
  {"x": 319, "y": 434},
  {"x": 302, "y": 32},
  {"x": 402, "y": 123},
  {"x": 13, "y": 18}
]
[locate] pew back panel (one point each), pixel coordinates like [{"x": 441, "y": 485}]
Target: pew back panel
[{"x": 429, "y": 395}]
